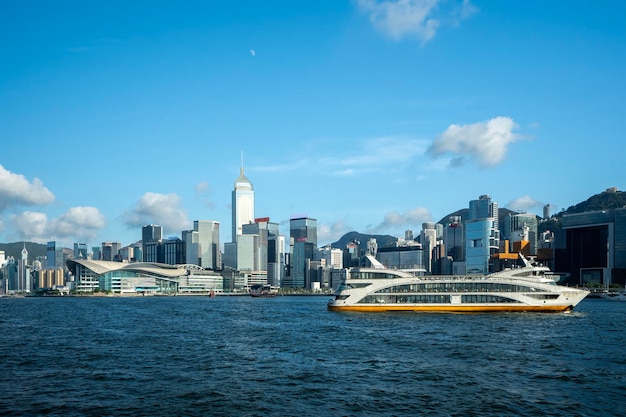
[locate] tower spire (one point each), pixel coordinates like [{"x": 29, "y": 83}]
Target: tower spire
[{"x": 241, "y": 169}]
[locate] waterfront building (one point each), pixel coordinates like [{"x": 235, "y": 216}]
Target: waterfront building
[
  {"x": 51, "y": 255},
  {"x": 174, "y": 251},
  {"x": 247, "y": 252},
  {"x": 10, "y": 274},
  {"x": 126, "y": 278},
  {"x": 154, "y": 251},
  {"x": 428, "y": 238},
  {"x": 303, "y": 243},
  {"x": 242, "y": 204},
  {"x": 192, "y": 246},
  {"x": 482, "y": 241},
  {"x": 454, "y": 239},
  {"x": 482, "y": 235},
  {"x": 591, "y": 247},
  {"x": 276, "y": 260},
  {"x": 201, "y": 281},
  {"x": 403, "y": 257},
  {"x": 50, "y": 278},
  {"x": 150, "y": 233},
  {"x": 24, "y": 283},
  {"x": 205, "y": 249}
]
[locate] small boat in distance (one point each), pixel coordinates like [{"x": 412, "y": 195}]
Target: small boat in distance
[
  {"x": 614, "y": 296},
  {"x": 529, "y": 287},
  {"x": 263, "y": 290}
]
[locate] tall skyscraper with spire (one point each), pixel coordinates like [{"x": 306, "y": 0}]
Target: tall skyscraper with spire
[{"x": 242, "y": 204}]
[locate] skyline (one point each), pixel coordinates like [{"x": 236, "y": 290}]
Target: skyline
[{"x": 373, "y": 116}]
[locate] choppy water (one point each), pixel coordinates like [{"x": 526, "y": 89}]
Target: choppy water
[{"x": 289, "y": 356}]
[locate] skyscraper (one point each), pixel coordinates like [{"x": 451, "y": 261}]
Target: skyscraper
[
  {"x": 208, "y": 241},
  {"x": 150, "y": 233},
  {"x": 303, "y": 242},
  {"x": 482, "y": 236},
  {"x": 242, "y": 204}
]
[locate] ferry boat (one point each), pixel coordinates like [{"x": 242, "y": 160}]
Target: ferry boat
[{"x": 530, "y": 287}]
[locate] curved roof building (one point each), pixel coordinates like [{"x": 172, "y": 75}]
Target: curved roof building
[{"x": 118, "y": 277}]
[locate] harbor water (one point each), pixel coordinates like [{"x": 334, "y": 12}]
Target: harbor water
[{"x": 289, "y": 356}]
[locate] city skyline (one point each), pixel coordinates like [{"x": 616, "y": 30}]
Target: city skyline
[{"x": 364, "y": 115}]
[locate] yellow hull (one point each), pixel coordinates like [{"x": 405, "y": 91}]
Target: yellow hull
[{"x": 451, "y": 308}]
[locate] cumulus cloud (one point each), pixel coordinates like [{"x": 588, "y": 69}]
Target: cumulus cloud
[
  {"x": 162, "y": 209},
  {"x": 487, "y": 142},
  {"x": 411, "y": 18},
  {"x": 16, "y": 190},
  {"x": 395, "y": 221},
  {"x": 78, "y": 223},
  {"x": 525, "y": 203},
  {"x": 403, "y": 18},
  {"x": 328, "y": 233}
]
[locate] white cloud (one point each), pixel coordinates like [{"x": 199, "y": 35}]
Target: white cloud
[
  {"x": 394, "y": 221},
  {"x": 413, "y": 18},
  {"x": 525, "y": 203},
  {"x": 403, "y": 18},
  {"x": 487, "y": 142},
  {"x": 82, "y": 222},
  {"x": 329, "y": 233},
  {"x": 78, "y": 223},
  {"x": 162, "y": 209},
  {"x": 16, "y": 190}
]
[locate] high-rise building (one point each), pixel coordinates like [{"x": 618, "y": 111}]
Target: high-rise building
[
  {"x": 110, "y": 250},
  {"x": 483, "y": 208},
  {"x": 207, "y": 243},
  {"x": 454, "y": 239},
  {"x": 51, "y": 255},
  {"x": 173, "y": 251},
  {"x": 192, "y": 246},
  {"x": 428, "y": 238},
  {"x": 80, "y": 251},
  {"x": 242, "y": 204},
  {"x": 521, "y": 226},
  {"x": 482, "y": 235},
  {"x": 481, "y": 241},
  {"x": 150, "y": 233},
  {"x": 303, "y": 242}
]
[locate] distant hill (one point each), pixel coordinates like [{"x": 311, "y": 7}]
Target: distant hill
[
  {"x": 382, "y": 240},
  {"x": 612, "y": 198},
  {"x": 464, "y": 214},
  {"x": 609, "y": 199},
  {"x": 15, "y": 250}
]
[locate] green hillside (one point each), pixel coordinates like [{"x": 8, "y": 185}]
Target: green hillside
[{"x": 15, "y": 250}]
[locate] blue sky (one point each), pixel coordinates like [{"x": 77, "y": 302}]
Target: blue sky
[{"x": 367, "y": 115}]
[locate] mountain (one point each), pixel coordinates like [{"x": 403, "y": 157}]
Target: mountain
[
  {"x": 382, "y": 240},
  {"x": 609, "y": 199},
  {"x": 15, "y": 250},
  {"x": 612, "y": 198}
]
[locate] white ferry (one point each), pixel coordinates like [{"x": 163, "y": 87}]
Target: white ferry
[{"x": 527, "y": 288}]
